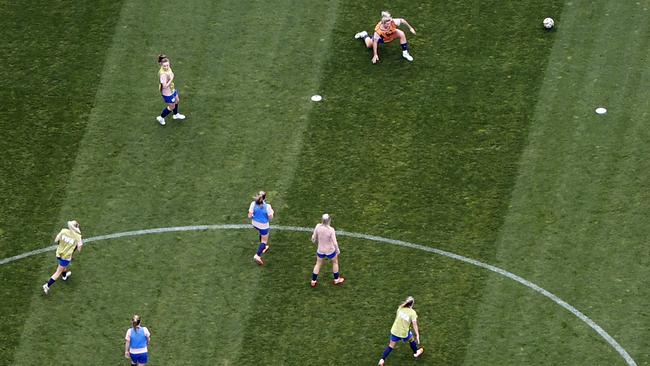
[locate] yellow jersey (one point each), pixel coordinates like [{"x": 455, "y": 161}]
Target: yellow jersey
[
  {"x": 164, "y": 76},
  {"x": 405, "y": 316},
  {"x": 68, "y": 241}
]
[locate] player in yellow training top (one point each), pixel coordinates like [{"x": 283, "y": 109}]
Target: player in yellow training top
[
  {"x": 386, "y": 31},
  {"x": 168, "y": 90},
  {"x": 401, "y": 330},
  {"x": 69, "y": 240}
]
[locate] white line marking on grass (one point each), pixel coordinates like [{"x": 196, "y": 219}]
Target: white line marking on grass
[{"x": 597, "y": 328}]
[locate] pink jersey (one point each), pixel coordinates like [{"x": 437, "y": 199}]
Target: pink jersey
[{"x": 325, "y": 237}]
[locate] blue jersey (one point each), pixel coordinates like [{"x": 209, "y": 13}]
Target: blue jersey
[
  {"x": 137, "y": 339},
  {"x": 261, "y": 214}
]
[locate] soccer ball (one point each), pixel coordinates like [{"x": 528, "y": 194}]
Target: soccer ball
[{"x": 548, "y": 23}]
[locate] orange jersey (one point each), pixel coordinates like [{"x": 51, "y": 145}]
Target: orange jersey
[{"x": 387, "y": 34}]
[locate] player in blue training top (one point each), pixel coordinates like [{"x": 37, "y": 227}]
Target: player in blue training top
[
  {"x": 137, "y": 342},
  {"x": 401, "y": 330},
  {"x": 69, "y": 240},
  {"x": 261, "y": 213}
]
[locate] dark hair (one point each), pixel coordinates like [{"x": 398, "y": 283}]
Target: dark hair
[
  {"x": 135, "y": 322},
  {"x": 261, "y": 196},
  {"x": 162, "y": 58}
]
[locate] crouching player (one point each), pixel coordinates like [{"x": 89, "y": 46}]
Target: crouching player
[
  {"x": 401, "y": 330},
  {"x": 386, "y": 31},
  {"x": 69, "y": 240},
  {"x": 325, "y": 237}
]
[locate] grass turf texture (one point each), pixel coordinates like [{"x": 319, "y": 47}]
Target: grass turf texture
[
  {"x": 52, "y": 55},
  {"x": 432, "y": 161}
]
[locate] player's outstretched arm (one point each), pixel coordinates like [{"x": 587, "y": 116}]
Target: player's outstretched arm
[{"x": 403, "y": 21}]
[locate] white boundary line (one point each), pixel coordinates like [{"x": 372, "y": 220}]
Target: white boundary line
[{"x": 597, "y": 328}]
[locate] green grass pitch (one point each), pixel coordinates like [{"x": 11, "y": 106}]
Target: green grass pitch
[{"x": 487, "y": 145}]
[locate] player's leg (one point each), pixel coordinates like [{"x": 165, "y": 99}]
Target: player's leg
[
  {"x": 335, "y": 269},
  {"x": 387, "y": 351},
  {"x": 264, "y": 239},
  {"x": 361, "y": 35},
  {"x": 262, "y": 248},
  {"x": 414, "y": 346},
  {"x": 404, "y": 44},
  {"x": 368, "y": 41},
  {"x": 166, "y": 111},
  {"x": 53, "y": 278},
  {"x": 365, "y": 37},
  {"x": 314, "y": 273},
  {"x": 177, "y": 115},
  {"x": 66, "y": 274}
]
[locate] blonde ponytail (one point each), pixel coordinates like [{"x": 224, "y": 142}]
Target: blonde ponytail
[{"x": 408, "y": 302}]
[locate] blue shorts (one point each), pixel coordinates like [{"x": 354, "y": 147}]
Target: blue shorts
[
  {"x": 171, "y": 98},
  {"x": 329, "y": 256},
  {"x": 62, "y": 262},
  {"x": 139, "y": 357},
  {"x": 394, "y": 338},
  {"x": 263, "y": 231}
]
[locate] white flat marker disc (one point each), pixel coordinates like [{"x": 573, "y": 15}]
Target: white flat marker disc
[
  {"x": 601, "y": 110},
  {"x": 316, "y": 98}
]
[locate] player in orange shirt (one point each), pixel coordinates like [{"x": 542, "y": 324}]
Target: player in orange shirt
[{"x": 385, "y": 31}]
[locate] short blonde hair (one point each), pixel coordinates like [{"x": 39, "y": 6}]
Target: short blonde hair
[
  {"x": 74, "y": 226},
  {"x": 408, "y": 302}
]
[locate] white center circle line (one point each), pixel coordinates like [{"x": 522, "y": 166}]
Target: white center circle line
[{"x": 597, "y": 328}]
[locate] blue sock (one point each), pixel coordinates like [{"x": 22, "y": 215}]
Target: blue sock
[
  {"x": 314, "y": 277},
  {"x": 414, "y": 346},
  {"x": 164, "y": 113},
  {"x": 50, "y": 282},
  {"x": 260, "y": 249},
  {"x": 176, "y": 108},
  {"x": 336, "y": 275},
  {"x": 387, "y": 352},
  {"x": 405, "y": 46},
  {"x": 64, "y": 274}
]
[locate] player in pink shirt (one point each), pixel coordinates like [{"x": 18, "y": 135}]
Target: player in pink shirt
[{"x": 325, "y": 237}]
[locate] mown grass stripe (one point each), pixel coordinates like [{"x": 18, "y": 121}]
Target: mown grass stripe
[
  {"x": 240, "y": 77},
  {"x": 598, "y": 329},
  {"x": 570, "y": 207}
]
